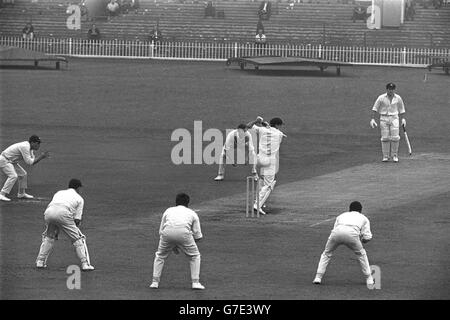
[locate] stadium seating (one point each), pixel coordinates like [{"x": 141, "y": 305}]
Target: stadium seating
[{"x": 318, "y": 22}]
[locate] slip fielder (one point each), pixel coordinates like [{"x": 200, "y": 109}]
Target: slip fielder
[
  {"x": 391, "y": 109},
  {"x": 238, "y": 139},
  {"x": 351, "y": 229},
  {"x": 270, "y": 138},
  {"x": 64, "y": 213},
  {"x": 179, "y": 230}
]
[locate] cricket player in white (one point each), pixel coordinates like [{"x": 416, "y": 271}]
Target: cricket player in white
[
  {"x": 390, "y": 106},
  {"x": 179, "y": 230},
  {"x": 238, "y": 139},
  {"x": 9, "y": 165},
  {"x": 64, "y": 213},
  {"x": 350, "y": 229},
  {"x": 270, "y": 138}
]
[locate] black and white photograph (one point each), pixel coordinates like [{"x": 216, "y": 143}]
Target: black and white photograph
[{"x": 225, "y": 158}]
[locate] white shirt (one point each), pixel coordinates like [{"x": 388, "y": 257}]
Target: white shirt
[
  {"x": 113, "y": 6},
  {"x": 354, "y": 222},
  {"x": 260, "y": 38},
  {"x": 71, "y": 200},
  {"x": 387, "y": 108},
  {"x": 19, "y": 151},
  {"x": 234, "y": 140},
  {"x": 269, "y": 140},
  {"x": 180, "y": 217}
]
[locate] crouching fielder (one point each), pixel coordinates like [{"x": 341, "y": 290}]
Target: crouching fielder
[
  {"x": 391, "y": 108},
  {"x": 238, "y": 139},
  {"x": 9, "y": 164},
  {"x": 179, "y": 230},
  {"x": 350, "y": 228},
  {"x": 270, "y": 138},
  {"x": 64, "y": 213}
]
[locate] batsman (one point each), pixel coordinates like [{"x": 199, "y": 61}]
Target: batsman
[
  {"x": 270, "y": 138},
  {"x": 391, "y": 109},
  {"x": 64, "y": 213}
]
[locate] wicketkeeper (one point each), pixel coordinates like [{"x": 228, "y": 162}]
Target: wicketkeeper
[
  {"x": 391, "y": 108},
  {"x": 240, "y": 140},
  {"x": 64, "y": 213},
  {"x": 179, "y": 230},
  {"x": 351, "y": 229}
]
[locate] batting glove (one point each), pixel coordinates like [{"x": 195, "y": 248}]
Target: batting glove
[
  {"x": 373, "y": 123},
  {"x": 404, "y": 122}
]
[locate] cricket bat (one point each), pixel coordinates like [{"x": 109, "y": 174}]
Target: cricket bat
[{"x": 407, "y": 140}]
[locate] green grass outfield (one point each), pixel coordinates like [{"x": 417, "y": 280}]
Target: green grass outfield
[{"x": 109, "y": 122}]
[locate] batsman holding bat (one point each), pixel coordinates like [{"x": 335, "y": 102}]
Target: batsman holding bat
[
  {"x": 391, "y": 109},
  {"x": 64, "y": 213}
]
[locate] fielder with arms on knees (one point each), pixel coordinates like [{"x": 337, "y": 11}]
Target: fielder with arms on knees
[
  {"x": 270, "y": 138},
  {"x": 64, "y": 213},
  {"x": 9, "y": 164},
  {"x": 179, "y": 230},
  {"x": 350, "y": 229},
  {"x": 391, "y": 108}
]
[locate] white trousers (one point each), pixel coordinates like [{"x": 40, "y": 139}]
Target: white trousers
[
  {"x": 268, "y": 168},
  {"x": 14, "y": 172},
  {"x": 184, "y": 241},
  {"x": 343, "y": 237}
]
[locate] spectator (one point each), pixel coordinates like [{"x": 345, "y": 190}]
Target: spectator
[
  {"x": 84, "y": 10},
  {"x": 265, "y": 10},
  {"x": 291, "y": 4},
  {"x": 127, "y": 5},
  {"x": 134, "y": 6},
  {"x": 260, "y": 38},
  {"x": 93, "y": 33},
  {"x": 113, "y": 8},
  {"x": 259, "y": 26},
  {"x": 28, "y": 32},
  {"x": 359, "y": 13},
  {"x": 410, "y": 10},
  {"x": 210, "y": 10},
  {"x": 156, "y": 34},
  {"x": 438, "y": 3}
]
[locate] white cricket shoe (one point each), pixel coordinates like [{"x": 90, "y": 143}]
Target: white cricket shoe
[
  {"x": 369, "y": 281},
  {"x": 395, "y": 158},
  {"x": 317, "y": 280},
  {"x": 87, "y": 267},
  {"x": 197, "y": 286},
  {"x": 385, "y": 159},
  {"x": 261, "y": 211},
  {"x": 220, "y": 177},
  {"x": 24, "y": 196},
  {"x": 40, "y": 264},
  {"x": 154, "y": 285},
  {"x": 4, "y": 198}
]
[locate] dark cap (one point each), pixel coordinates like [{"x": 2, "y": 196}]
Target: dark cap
[
  {"x": 75, "y": 183},
  {"x": 276, "y": 122},
  {"x": 390, "y": 86},
  {"x": 34, "y": 138}
]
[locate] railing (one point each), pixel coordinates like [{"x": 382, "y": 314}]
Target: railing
[{"x": 201, "y": 51}]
